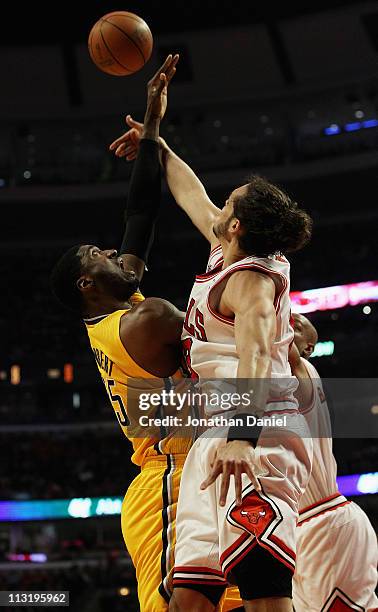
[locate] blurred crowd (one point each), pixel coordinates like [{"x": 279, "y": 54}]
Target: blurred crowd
[
  {"x": 55, "y": 465},
  {"x": 96, "y": 463}
]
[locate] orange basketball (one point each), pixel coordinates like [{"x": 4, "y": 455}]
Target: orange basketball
[{"x": 120, "y": 43}]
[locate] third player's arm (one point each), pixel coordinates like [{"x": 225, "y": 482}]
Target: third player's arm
[{"x": 304, "y": 393}]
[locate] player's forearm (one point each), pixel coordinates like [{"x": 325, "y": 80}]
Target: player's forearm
[
  {"x": 188, "y": 191},
  {"x": 151, "y": 126},
  {"x": 254, "y": 371},
  {"x": 254, "y": 337},
  {"x": 143, "y": 201}
]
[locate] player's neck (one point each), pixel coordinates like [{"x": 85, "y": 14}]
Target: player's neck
[
  {"x": 231, "y": 252},
  {"x": 106, "y": 306}
]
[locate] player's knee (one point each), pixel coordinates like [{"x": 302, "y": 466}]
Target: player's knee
[{"x": 183, "y": 600}]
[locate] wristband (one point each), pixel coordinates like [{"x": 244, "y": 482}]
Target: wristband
[{"x": 248, "y": 433}]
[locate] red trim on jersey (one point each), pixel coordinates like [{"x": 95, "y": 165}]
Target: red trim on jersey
[
  {"x": 280, "y": 400},
  {"x": 251, "y": 266},
  {"x": 319, "y": 503},
  {"x": 239, "y": 558},
  {"x": 288, "y": 411},
  {"x": 218, "y": 246},
  {"x": 281, "y": 544},
  {"x": 245, "y": 535},
  {"x": 203, "y": 278},
  {"x": 345, "y": 503},
  {"x": 183, "y": 582},
  {"x": 277, "y": 555},
  {"x": 195, "y": 569}
]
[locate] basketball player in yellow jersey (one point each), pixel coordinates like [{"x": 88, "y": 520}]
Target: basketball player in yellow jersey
[{"x": 135, "y": 339}]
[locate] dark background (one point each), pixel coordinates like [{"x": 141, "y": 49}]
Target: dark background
[{"x": 256, "y": 86}]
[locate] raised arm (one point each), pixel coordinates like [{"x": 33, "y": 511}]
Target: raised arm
[
  {"x": 189, "y": 193},
  {"x": 185, "y": 186},
  {"x": 144, "y": 195}
]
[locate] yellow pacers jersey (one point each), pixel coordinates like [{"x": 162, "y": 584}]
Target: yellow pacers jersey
[{"x": 125, "y": 380}]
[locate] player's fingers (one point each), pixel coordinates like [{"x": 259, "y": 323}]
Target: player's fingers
[
  {"x": 133, "y": 124},
  {"x": 120, "y": 150},
  {"x": 238, "y": 484},
  {"x": 162, "y": 68},
  {"x": 170, "y": 75},
  {"x": 225, "y": 483},
  {"x": 249, "y": 471},
  {"x": 162, "y": 83},
  {"x": 212, "y": 477},
  {"x": 116, "y": 143},
  {"x": 172, "y": 68}
]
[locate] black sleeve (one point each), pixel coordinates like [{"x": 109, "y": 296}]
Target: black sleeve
[{"x": 143, "y": 201}]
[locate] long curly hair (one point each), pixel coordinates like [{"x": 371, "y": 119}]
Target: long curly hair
[{"x": 271, "y": 222}]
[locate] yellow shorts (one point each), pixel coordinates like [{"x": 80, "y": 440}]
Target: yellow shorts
[{"x": 148, "y": 520}]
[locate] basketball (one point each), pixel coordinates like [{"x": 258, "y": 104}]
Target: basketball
[{"x": 120, "y": 43}]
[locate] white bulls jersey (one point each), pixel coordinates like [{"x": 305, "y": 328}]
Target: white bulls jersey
[
  {"x": 209, "y": 338},
  {"x": 322, "y": 483}
]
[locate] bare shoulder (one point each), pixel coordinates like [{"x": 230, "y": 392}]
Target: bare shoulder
[
  {"x": 154, "y": 308},
  {"x": 251, "y": 281},
  {"x": 155, "y": 320}
]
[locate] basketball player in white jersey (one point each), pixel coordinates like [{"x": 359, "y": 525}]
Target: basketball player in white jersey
[
  {"x": 337, "y": 557},
  {"x": 237, "y": 326}
]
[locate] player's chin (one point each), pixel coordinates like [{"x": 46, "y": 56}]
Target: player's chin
[{"x": 129, "y": 286}]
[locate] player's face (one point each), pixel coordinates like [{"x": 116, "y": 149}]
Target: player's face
[
  {"x": 224, "y": 220},
  {"x": 106, "y": 269},
  {"x": 305, "y": 335}
]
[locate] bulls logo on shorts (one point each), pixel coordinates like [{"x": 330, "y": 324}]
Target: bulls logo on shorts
[{"x": 254, "y": 515}]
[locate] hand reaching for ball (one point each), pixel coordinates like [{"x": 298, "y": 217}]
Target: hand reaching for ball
[
  {"x": 127, "y": 144},
  {"x": 157, "y": 87}
]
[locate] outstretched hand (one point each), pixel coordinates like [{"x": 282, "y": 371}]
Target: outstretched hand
[
  {"x": 127, "y": 144},
  {"x": 157, "y": 87},
  {"x": 235, "y": 458}
]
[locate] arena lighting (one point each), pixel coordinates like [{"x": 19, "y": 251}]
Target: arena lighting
[
  {"x": 330, "y": 298},
  {"x": 332, "y": 130},
  {"x": 323, "y": 349},
  {"x": 358, "y": 484},
  {"x": 370, "y": 123},
  {"x": 89, "y": 507},
  {"x": 76, "y": 508},
  {"x": 33, "y": 557},
  {"x": 68, "y": 373},
  {"x": 354, "y": 126},
  {"x": 15, "y": 375},
  {"x": 124, "y": 591}
]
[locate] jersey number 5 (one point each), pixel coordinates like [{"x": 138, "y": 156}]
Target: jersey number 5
[{"x": 117, "y": 402}]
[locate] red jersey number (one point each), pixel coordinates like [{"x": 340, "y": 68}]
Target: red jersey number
[
  {"x": 197, "y": 330},
  {"x": 186, "y": 348}
]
